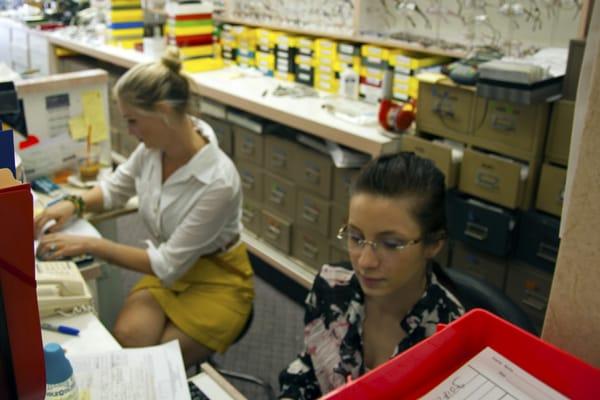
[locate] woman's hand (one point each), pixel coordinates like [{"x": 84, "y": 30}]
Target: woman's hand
[
  {"x": 55, "y": 246},
  {"x": 60, "y": 212}
]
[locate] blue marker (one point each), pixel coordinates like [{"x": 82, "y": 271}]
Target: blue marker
[{"x": 67, "y": 330}]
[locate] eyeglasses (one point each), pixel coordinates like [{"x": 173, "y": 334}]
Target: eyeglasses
[{"x": 354, "y": 242}]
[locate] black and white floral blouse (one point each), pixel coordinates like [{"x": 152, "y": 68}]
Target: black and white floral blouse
[{"x": 333, "y": 331}]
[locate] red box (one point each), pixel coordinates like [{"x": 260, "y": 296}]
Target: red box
[{"x": 421, "y": 368}]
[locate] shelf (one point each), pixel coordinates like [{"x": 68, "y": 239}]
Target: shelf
[
  {"x": 284, "y": 263},
  {"x": 378, "y": 41}
]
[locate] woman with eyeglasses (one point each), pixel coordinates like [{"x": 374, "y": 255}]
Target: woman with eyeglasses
[{"x": 391, "y": 297}]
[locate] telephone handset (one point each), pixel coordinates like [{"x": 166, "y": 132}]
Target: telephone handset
[{"x": 60, "y": 287}]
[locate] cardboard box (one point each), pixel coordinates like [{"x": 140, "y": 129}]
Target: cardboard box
[
  {"x": 439, "y": 153},
  {"x": 280, "y": 195},
  {"x": 551, "y": 189},
  {"x": 444, "y": 109},
  {"x": 252, "y": 180},
  {"x": 314, "y": 171},
  {"x": 312, "y": 212},
  {"x": 279, "y": 156},
  {"x": 252, "y": 216},
  {"x": 248, "y": 146},
  {"x": 498, "y": 180},
  {"x": 559, "y": 132},
  {"x": 510, "y": 124}
]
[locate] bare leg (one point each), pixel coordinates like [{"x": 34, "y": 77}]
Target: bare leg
[
  {"x": 191, "y": 350},
  {"x": 141, "y": 321}
]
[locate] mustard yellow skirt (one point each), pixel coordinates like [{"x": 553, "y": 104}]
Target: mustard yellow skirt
[{"x": 212, "y": 301}]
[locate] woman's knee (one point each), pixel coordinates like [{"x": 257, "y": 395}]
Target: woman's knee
[{"x": 129, "y": 334}]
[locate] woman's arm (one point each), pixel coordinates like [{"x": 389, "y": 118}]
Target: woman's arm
[{"x": 59, "y": 245}]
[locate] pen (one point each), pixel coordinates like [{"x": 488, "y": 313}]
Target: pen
[{"x": 67, "y": 330}]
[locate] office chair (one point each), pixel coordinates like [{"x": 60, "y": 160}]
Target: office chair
[
  {"x": 476, "y": 293},
  {"x": 266, "y": 386}
]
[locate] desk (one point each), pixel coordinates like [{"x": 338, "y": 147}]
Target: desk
[{"x": 95, "y": 338}]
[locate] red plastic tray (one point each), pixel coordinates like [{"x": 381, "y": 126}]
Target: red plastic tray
[{"x": 419, "y": 369}]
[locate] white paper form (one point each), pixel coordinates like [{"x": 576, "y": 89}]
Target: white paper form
[
  {"x": 491, "y": 376},
  {"x": 151, "y": 373}
]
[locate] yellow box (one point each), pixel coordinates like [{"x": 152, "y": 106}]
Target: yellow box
[
  {"x": 559, "y": 131},
  {"x": 305, "y": 42},
  {"x": 202, "y": 64},
  {"x": 285, "y": 41},
  {"x": 327, "y": 86},
  {"x": 373, "y": 73},
  {"x": 377, "y": 52},
  {"x": 284, "y": 76},
  {"x": 134, "y": 15},
  {"x": 407, "y": 61},
  {"x": 304, "y": 60}
]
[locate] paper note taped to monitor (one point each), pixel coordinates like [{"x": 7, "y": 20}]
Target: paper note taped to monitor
[{"x": 490, "y": 376}]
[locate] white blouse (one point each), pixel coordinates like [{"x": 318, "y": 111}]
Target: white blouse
[{"x": 196, "y": 211}]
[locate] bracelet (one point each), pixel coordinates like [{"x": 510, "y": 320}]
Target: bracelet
[{"x": 77, "y": 202}]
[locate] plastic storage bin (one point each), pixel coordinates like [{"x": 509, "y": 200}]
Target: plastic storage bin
[{"x": 418, "y": 370}]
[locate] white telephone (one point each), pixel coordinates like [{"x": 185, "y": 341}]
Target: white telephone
[{"x": 60, "y": 287}]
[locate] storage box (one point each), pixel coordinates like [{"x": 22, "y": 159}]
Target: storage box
[
  {"x": 444, "y": 109},
  {"x": 496, "y": 179},
  {"x": 276, "y": 231},
  {"x": 280, "y": 195},
  {"x": 313, "y": 212},
  {"x": 223, "y": 132},
  {"x": 279, "y": 155},
  {"x": 486, "y": 267},
  {"x": 559, "y": 132},
  {"x": 342, "y": 180},
  {"x": 310, "y": 247},
  {"x": 439, "y": 153},
  {"x": 551, "y": 189},
  {"x": 252, "y": 216},
  {"x": 248, "y": 146},
  {"x": 251, "y": 178},
  {"x": 419, "y": 369},
  {"x": 481, "y": 225},
  {"x": 509, "y": 125},
  {"x": 313, "y": 171},
  {"x": 538, "y": 240}
]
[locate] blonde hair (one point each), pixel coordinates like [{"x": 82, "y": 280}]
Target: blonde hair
[{"x": 146, "y": 85}]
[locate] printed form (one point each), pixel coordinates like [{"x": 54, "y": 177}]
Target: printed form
[
  {"x": 155, "y": 372},
  {"x": 491, "y": 376}
]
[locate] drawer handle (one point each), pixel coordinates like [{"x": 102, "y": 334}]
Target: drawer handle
[
  {"x": 486, "y": 180},
  {"x": 476, "y": 231},
  {"x": 247, "y": 215},
  {"x": 534, "y": 303},
  {"x": 503, "y": 124},
  {"x": 273, "y": 232},
  {"x": 309, "y": 250},
  {"x": 278, "y": 160},
  {"x": 547, "y": 252},
  {"x": 311, "y": 175},
  {"x": 310, "y": 214},
  {"x": 248, "y": 148}
]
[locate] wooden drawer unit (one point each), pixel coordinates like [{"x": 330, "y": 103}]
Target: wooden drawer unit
[
  {"x": 529, "y": 287},
  {"x": 438, "y": 152},
  {"x": 252, "y": 216},
  {"x": 312, "y": 212},
  {"x": 310, "y": 247},
  {"x": 313, "y": 171},
  {"x": 279, "y": 156},
  {"x": 339, "y": 216},
  {"x": 248, "y": 146},
  {"x": 224, "y": 133},
  {"x": 492, "y": 178},
  {"x": 551, "y": 189},
  {"x": 479, "y": 264},
  {"x": 252, "y": 179},
  {"x": 444, "y": 109},
  {"x": 559, "y": 132},
  {"x": 506, "y": 125},
  {"x": 279, "y": 195},
  {"x": 342, "y": 179}
]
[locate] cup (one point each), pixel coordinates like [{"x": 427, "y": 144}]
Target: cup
[{"x": 89, "y": 168}]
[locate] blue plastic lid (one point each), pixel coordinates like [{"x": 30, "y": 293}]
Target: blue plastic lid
[{"x": 58, "y": 367}]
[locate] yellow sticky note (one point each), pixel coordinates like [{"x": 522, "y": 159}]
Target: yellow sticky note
[
  {"x": 93, "y": 112},
  {"x": 78, "y": 127}
]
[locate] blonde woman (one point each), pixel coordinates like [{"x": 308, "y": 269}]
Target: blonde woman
[{"x": 198, "y": 286}]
